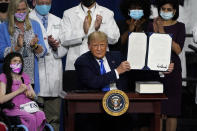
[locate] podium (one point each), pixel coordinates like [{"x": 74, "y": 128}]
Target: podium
[{"x": 92, "y": 103}]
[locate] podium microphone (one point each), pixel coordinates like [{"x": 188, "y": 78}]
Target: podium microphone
[{"x": 192, "y": 47}]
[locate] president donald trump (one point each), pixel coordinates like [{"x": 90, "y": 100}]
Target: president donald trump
[{"x": 99, "y": 69}]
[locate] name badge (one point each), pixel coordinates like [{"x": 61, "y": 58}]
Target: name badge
[
  {"x": 30, "y": 107},
  {"x": 56, "y": 26}
]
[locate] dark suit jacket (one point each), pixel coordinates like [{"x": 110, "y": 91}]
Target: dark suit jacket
[{"x": 88, "y": 72}]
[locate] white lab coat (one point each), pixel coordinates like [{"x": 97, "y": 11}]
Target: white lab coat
[
  {"x": 72, "y": 33},
  {"x": 154, "y": 12},
  {"x": 194, "y": 32},
  {"x": 50, "y": 67}
]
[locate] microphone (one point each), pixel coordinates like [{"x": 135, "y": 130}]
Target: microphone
[{"x": 192, "y": 47}]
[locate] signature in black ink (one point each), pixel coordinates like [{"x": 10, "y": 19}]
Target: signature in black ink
[{"x": 162, "y": 66}]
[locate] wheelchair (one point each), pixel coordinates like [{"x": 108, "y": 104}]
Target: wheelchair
[{"x": 13, "y": 122}]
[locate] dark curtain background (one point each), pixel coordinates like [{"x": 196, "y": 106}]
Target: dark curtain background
[{"x": 58, "y": 6}]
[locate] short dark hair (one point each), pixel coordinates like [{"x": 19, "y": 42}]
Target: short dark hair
[
  {"x": 144, "y": 4},
  {"x": 174, "y": 3}
]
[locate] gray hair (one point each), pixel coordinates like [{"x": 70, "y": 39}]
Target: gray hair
[{"x": 97, "y": 36}]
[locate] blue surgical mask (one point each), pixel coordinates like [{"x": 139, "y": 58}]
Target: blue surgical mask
[
  {"x": 43, "y": 9},
  {"x": 166, "y": 15},
  {"x": 136, "y": 14}
]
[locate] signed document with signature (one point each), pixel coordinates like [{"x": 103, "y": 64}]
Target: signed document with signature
[{"x": 149, "y": 51}]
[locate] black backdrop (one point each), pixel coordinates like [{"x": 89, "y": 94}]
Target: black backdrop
[{"x": 58, "y": 6}]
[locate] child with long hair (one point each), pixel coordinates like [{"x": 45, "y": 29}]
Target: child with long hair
[{"x": 15, "y": 86}]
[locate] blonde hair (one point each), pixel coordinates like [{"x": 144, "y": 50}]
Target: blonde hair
[
  {"x": 97, "y": 36},
  {"x": 13, "y": 5}
]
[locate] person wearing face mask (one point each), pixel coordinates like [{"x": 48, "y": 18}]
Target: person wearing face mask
[
  {"x": 23, "y": 35},
  {"x": 3, "y": 10},
  {"x": 78, "y": 22},
  {"x": 50, "y": 66},
  {"x": 137, "y": 13},
  {"x": 168, "y": 11},
  {"x": 15, "y": 87}
]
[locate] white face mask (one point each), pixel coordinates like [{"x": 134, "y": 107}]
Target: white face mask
[{"x": 166, "y": 15}]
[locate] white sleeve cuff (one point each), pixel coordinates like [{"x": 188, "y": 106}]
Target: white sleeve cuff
[
  {"x": 161, "y": 74},
  {"x": 117, "y": 75}
]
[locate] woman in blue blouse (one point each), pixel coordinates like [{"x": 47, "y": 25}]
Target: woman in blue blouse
[{"x": 22, "y": 35}]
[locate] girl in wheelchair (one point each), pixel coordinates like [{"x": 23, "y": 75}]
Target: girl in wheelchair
[{"x": 15, "y": 87}]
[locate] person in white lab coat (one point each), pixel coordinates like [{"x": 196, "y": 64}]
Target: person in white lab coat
[
  {"x": 50, "y": 67},
  {"x": 194, "y": 32},
  {"x": 77, "y": 23}
]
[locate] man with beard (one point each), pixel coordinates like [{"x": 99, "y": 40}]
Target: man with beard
[{"x": 79, "y": 21}]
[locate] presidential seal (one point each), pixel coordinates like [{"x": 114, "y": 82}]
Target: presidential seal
[{"x": 115, "y": 102}]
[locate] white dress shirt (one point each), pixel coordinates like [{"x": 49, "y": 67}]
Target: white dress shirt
[
  {"x": 108, "y": 69},
  {"x": 72, "y": 33}
]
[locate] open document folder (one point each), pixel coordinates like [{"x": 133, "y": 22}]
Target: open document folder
[{"x": 149, "y": 51}]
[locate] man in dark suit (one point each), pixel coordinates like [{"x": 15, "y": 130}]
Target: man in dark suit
[
  {"x": 90, "y": 76},
  {"x": 88, "y": 66}
]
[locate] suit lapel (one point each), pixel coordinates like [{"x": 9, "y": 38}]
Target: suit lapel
[
  {"x": 50, "y": 19},
  {"x": 110, "y": 61},
  {"x": 94, "y": 63}
]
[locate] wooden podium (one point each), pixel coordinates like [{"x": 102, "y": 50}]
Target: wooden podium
[{"x": 92, "y": 103}]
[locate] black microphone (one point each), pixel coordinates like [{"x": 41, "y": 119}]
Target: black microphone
[{"x": 192, "y": 47}]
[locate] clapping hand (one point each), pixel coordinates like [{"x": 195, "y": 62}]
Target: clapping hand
[
  {"x": 34, "y": 41},
  {"x": 139, "y": 25},
  {"x": 132, "y": 24},
  {"x": 53, "y": 43},
  {"x": 86, "y": 25},
  {"x": 98, "y": 22},
  {"x": 20, "y": 40},
  {"x": 135, "y": 24},
  {"x": 158, "y": 25}
]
